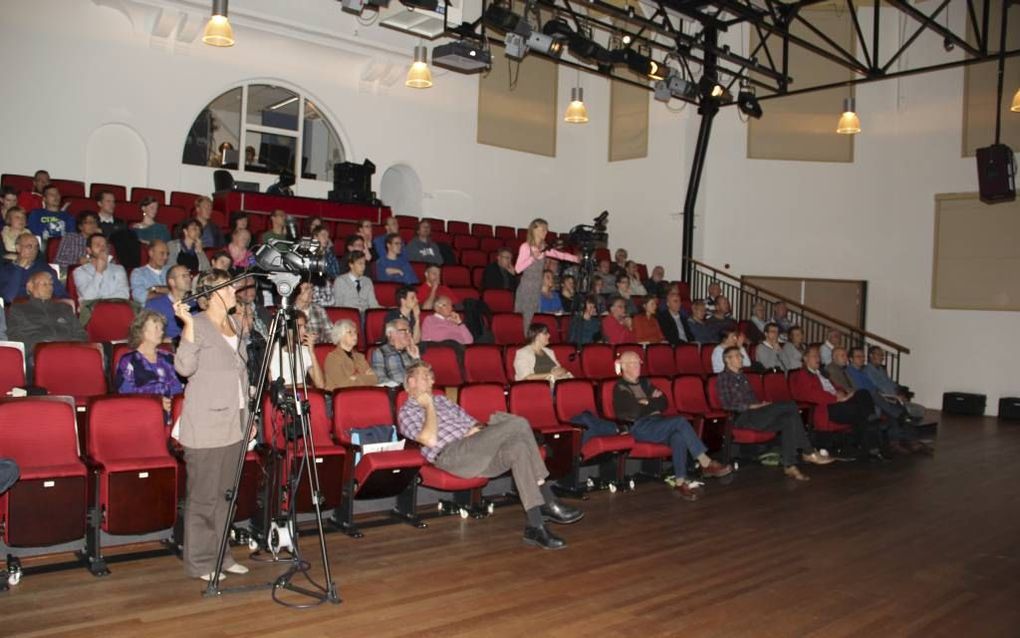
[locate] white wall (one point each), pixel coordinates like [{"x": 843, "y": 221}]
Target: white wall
[{"x": 870, "y": 220}]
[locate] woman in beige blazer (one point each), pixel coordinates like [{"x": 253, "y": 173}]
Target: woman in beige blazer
[
  {"x": 213, "y": 419},
  {"x": 345, "y": 366}
]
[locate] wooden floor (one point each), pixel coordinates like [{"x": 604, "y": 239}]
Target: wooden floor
[{"x": 922, "y": 546}]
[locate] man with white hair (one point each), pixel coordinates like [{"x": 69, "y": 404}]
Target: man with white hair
[
  {"x": 637, "y": 401},
  {"x": 391, "y": 360},
  {"x": 445, "y": 324}
]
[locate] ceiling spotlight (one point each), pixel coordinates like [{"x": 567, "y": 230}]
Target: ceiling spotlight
[
  {"x": 500, "y": 18},
  {"x": 524, "y": 38},
  {"x": 849, "y": 123},
  {"x": 747, "y": 102},
  {"x": 674, "y": 86},
  {"x": 419, "y": 76},
  {"x": 626, "y": 39},
  {"x": 218, "y": 32},
  {"x": 1015, "y": 107},
  {"x": 710, "y": 89}
]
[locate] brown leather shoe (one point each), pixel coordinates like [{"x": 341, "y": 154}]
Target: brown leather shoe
[
  {"x": 687, "y": 491},
  {"x": 716, "y": 469}
]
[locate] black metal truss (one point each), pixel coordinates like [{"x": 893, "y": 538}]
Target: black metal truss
[{"x": 688, "y": 31}]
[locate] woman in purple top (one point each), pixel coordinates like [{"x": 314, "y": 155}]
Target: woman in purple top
[{"x": 146, "y": 369}]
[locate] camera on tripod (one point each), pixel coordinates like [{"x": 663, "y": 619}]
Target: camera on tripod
[
  {"x": 587, "y": 237},
  {"x": 303, "y": 256}
]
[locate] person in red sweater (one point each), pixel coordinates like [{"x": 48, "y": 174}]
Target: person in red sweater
[
  {"x": 432, "y": 289},
  {"x": 646, "y": 325},
  {"x": 842, "y": 406},
  {"x": 617, "y": 326}
]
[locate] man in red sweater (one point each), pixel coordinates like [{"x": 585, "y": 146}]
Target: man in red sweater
[{"x": 616, "y": 326}]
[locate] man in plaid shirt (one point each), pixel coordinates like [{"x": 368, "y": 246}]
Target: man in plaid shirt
[
  {"x": 455, "y": 442},
  {"x": 736, "y": 395}
]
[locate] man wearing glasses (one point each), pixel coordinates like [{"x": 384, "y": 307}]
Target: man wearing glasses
[{"x": 391, "y": 360}]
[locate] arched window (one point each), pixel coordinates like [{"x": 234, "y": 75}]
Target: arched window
[{"x": 262, "y": 128}]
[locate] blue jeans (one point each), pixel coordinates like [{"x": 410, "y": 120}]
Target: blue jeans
[{"x": 674, "y": 431}]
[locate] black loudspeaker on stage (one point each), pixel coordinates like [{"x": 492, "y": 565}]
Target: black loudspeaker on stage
[{"x": 996, "y": 174}]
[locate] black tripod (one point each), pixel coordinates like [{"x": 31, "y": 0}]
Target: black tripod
[{"x": 282, "y": 333}]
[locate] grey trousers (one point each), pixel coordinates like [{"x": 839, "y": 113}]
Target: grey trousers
[
  {"x": 508, "y": 443},
  {"x": 8, "y": 474},
  {"x": 210, "y": 473}
]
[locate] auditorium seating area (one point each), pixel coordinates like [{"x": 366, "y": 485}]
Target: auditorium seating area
[{"x": 97, "y": 466}]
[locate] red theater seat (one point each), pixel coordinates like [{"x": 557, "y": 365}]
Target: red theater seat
[
  {"x": 551, "y": 322},
  {"x": 598, "y": 361},
  {"x": 47, "y": 506},
  {"x": 573, "y": 397},
  {"x": 734, "y": 435},
  {"x": 481, "y": 230},
  {"x": 183, "y": 200},
  {"x": 660, "y": 360},
  {"x": 457, "y": 228},
  {"x": 70, "y": 368},
  {"x": 110, "y": 321},
  {"x": 687, "y": 359},
  {"x": 378, "y": 475},
  {"x": 472, "y": 258},
  {"x": 508, "y": 328},
  {"x": 12, "y": 366},
  {"x": 456, "y": 276},
  {"x": 482, "y": 400},
  {"x": 138, "y": 194},
  {"x": 532, "y": 400},
  {"x": 499, "y": 300},
  {"x": 689, "y": 399},
  {"x": 445, "y": 366},
  {"x": 69, "y": 187},
  {"x": 375, "y": 325},
  {"x": 466, "y": 242},
  {"x": 386, "y": 293},
  {"x": 798, "y": 383},
  {"x": 483, "y": 363},
  {"x": 640, "y": 450}
]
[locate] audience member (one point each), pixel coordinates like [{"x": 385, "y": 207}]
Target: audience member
[
  {"x": 100, "y": 278},
  {"x": 636, "y": 287},
  {"x": 781, "y": 317},
  {"x": 619, "y": 265},
  {"x": 646, "y": 323},
  {"x": 794, "y": 349},
  {"x": 833, "y": 338},
  {"x": 14, "y": 228},
  {"x": 390, "y": 227},
  {"x": 345, "y": 366},
  {"x": 605, "y": 275},
  {"x": 109, "y": 224},
  {"x": 843, "y": 406},
  {"x": 587, "y": 327},
  {"x": 701, "y": 332},
  {"x": 187, "y": 249},
  {"x": 875, "y": 370},
  {"x": 149, "y": 230},
  {"x": 33, "y": 199},
  {"x": 836, "y": 370},
  {"x": 638, "y": 402},
  {"x": 601, "y": 296},
  {"x": 769, "y": 352},
  {"x": 277, "y": 226},
  {"x": 323, "y": 291},
  {"x": 714, "y": 290},
  {"x": 445, "y": 324},
  {"x": 8, "y": 200},
  {"x": 657, "y": 286},
  {"x": 149, "y": 281},
  {"x": 455, "y": 442},
  {"x": 530, "y": 265},
  {"x": 432, "y": 288},
  {"x": 722, "y": 318},
  {"x": 317, "y": 322},
  {"x": 239, "y": 219},
  {"x": 239, "y": 249},
  {"x": 391, "y": 360},
  {"x": 672, "y": 322},
  {"x": 422, "y": 248},
  {"x": 282, "y": 186},
  {"x": 307, "y": 364},
  {"x": 73, "y": 249},
  {"x": 729, "y": 338},
  {"x": 737, "y": 395},
  {"x": 365, "y": 232},
  {"x": 212, "y": 236},
  {"x": 568, "y": 292},
  {"x": 50, "y": 221},
  {"x": 755, "y": 328},
  {"x": 535, "y": 361},
  {"x": 41, "y": 318},
  {"x": 549, "y": 300},
  {"x": 408, "y": 310},
  {"x": 354, "y": 289},
  {"x": 500, "y": 275},
  {"x": 617, "y": 326},
  {"x": 146, "y": 369},
  {"x": 14, "y": 275},
  {"x": 393, "y": 265},
  {"x": 623, "y": 291},
  {"x": 351, "y": 244},
  {"x": 221, "y": 260},
  {"x": 178, "y": 284}
]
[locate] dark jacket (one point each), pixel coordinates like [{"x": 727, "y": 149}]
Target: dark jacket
[
  {"x": 669, "y": 328},
  {"x": 626, "y": 404},
  {"x": 37, "y": 321},
  {"x": 496, "y": 278}
]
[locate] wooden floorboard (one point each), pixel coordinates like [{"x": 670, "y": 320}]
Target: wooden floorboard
[{"x": 918, "y": 547}]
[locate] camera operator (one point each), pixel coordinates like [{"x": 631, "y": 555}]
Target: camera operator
[
  {"x": 530, "y": 266},
  {"x": 212, "y": 420}
]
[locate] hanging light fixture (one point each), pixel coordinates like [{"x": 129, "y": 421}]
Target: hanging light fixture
[
  {"x": 218, "y": 32},
  {"x": 576, "y": 113},
  {"x": 419, "y": 76},
  {"x": 1016, "y": 102},
  {"x": 849, "y": 123}
]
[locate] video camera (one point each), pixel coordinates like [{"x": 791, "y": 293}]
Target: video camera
[
  {"x": 300, "y": 257},
  {"x": 587, "y": 237}
]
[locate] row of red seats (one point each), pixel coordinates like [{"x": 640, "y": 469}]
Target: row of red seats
[{"x": 76, "y": 189}]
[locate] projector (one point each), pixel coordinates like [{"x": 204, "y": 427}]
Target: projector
[{"x": 461, "y": 56}]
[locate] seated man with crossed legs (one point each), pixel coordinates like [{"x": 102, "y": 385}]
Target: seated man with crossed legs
[{"x": 455, "y": 442}]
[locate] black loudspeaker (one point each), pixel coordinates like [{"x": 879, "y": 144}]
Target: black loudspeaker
[
  {"x": 1009, "y": 408},
  {"x": 996, "y": 171},
  {"x": 963, "y": 403}
]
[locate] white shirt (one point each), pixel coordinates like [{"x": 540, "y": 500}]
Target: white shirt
[{"x": 274, "y": 365}]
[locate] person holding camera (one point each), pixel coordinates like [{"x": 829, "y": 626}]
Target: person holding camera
[{"x": 212, "y": 422}]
